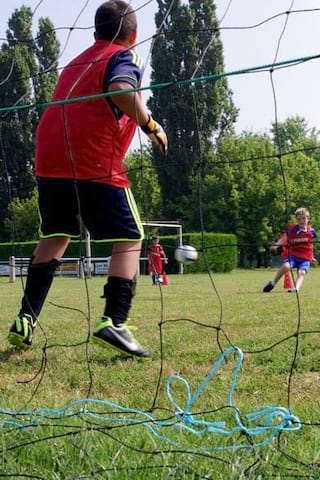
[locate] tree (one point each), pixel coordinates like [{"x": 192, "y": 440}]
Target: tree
[
  {"x": 194, "y": 115},
  {"x": 244, "y": 192},
  {"x": 47, "y": 51},
  {"x": 144, "y": 183},
  {"x": 23, "y": 221},
  {"x": 294, "y": 133},
  {"x": 237, "y": 194},
  {"x": 23, "y": 63}
]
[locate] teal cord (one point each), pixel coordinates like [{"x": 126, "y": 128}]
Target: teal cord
[
  {"x": 191, "y": 81},
  {"x": 272, "y": 420}
]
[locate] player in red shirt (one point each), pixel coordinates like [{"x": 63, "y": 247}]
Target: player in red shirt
[
  {"x": 156, "y": 260},
  {"x": 298, "y": 242},
  {"x": 81, "y": 175}
]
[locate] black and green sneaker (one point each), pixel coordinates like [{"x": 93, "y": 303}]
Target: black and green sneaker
[
  {"x": 120, "y": 338},
  {"x": 20, "y": 333}
]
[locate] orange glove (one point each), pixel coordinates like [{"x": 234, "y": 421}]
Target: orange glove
[{"x": 156, "y": 134}]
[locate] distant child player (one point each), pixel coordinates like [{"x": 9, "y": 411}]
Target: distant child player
[
  {"x": 80, "y": 170},
  {"x": 156, "y": 260},
  {"x": 298, "y": 240}
]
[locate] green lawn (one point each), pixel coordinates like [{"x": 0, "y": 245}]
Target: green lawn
[{"x": 185, "y": 326}]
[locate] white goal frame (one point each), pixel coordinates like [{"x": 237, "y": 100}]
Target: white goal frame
[
  {"x": 176, "y": 225},
  {"x": 158, "y": 223}
]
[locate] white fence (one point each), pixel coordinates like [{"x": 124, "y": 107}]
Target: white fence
[
  {"x": 18, "y": 266},
  {"x": 79, "y": 267}
]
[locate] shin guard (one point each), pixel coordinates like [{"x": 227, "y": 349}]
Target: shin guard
[
  {"x": 39, "y": 280},
  {"x": 118, "y": 294}
]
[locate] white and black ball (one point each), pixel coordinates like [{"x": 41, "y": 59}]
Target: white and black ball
[{"x": 186, "y": 254}]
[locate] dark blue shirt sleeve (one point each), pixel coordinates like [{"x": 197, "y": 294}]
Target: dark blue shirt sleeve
[{"x": 124, "y": 66}]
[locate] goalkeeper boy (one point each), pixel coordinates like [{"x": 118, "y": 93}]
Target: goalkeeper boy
[{"x": 81, "y": 176}]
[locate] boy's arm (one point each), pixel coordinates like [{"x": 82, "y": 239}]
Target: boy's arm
[
  {"x": 124, "y": 72},
  {"x": 132, "y": 105},
  {"x": 129, "y": 103},
  {"x": 283, "y": 239},
  {"x": 163, "y": 256}
]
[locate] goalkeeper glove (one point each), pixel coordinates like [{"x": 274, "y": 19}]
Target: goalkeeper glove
[{"x": 156, "y": 134}]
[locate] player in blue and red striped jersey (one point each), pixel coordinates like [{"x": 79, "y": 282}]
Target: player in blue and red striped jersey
[
  {"x": 80, "y": 170},
  {"x": 298, "y": 242}
]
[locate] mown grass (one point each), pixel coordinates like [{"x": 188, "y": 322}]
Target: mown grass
[{"x": 184, "y": 326}]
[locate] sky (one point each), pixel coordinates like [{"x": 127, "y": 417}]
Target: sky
[{"x": 283, "y": 38}]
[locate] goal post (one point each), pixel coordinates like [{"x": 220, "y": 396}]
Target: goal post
[{"x": 158, "y": 223}]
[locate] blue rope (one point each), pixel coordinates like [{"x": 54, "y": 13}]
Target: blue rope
[{"x": 272, "y": 420}]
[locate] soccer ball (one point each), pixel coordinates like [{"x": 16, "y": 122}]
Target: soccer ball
[{"x": 185, "y": 254}]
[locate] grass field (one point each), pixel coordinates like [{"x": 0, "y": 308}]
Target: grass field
[{"x": 185, "y": 326}]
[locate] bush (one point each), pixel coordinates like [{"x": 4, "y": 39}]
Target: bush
[
  {"x": 217, "y": 251},
  {"x": 75, "y": 249}
]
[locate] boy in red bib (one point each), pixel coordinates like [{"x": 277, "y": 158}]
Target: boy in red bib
[
  {"x": 81, "y": 175},
  {"x": 298, "y": 241},
  {"x": 156, "y": 260}
]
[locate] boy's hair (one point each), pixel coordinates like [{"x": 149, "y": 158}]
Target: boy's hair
[
  {"x": 155, "y": 237},
  {"x": 302, "y": 210},
  {"x": 115, "y": 20}
]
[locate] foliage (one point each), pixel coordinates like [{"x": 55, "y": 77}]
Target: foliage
[
  {"x": 192, "y": 115},
  {"x": 252, "y": 192},
  {"x": 28, "y": 70},
  {"x": 76, "y": 249},
  {"x": 23, "y": 218},
  {"x": 294, "y": 133},
  {"x": 144, "y": 184},
  {"x": 237, "y": 194},
  {"x": 216, "y": 252}
]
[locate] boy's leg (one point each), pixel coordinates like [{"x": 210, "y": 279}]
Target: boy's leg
[
  {"x": 41, "y": 272},
  {"x": 282, "y": 270},
  {"x": 118, "y": 293},
  {"x": 125, "y": 259},
  {"x": 43, "y": 264},
  {"x": 300, "y": 277},
  {"x": 111, "y": 213}
]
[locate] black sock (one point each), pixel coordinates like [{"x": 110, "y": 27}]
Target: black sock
[
  {"x": 39, "y": 280},
  {"x": 118, "y": 294}
]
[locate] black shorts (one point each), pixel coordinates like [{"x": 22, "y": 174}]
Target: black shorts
[{"x": 108, "y": 213}]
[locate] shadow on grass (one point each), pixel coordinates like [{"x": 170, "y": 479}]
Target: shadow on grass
[
  {"x": 10, "y": 352},
  {"x": 257, "y": 292},
  {"x": 113, "y": 358}
]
